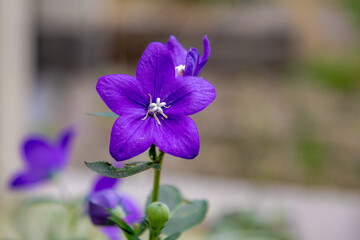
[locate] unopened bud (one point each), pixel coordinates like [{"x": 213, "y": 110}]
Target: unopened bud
[{"x": 158, "y": 214}]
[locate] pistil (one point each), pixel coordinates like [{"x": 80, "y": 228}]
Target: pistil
[
  {"x": 180, "y": 69},
  {"x": 155, "y": 108}
]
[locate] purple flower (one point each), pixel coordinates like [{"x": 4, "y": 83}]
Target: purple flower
[
  {"x": 188, "y": 63},
  {"x": 43, "y": 158},
  {"x": 104, "y": 197},
  {"x": 154, "y": 107}
]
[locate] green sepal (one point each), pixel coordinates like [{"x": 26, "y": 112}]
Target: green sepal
[
  {"x": 104, "y": 114},
  {"x": 108, "y": 170},
  {"x": 127, "y": 230},
  {"x": 152, "y": 152},
  {"x": 168, "y": 195},
  {"x": 141, "y": 228},
  {"x": 186, "y": 217},
  {"x": 161, "y": 154},
  {"x": 173, "y": 236}
]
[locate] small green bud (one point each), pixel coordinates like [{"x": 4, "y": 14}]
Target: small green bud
[{"x": 158, "y": 214}]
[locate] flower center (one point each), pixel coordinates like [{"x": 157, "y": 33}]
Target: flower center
[
  {"x": 180, "y": 69},
  {"x": 156, "y": 108}
]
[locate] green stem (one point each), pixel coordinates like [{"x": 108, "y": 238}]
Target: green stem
[
  {"x": 154, "y": 235},
  {"x": 157, "y": 174}
]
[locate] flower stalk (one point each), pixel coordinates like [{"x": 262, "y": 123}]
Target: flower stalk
[
  {"x": 154, "y": 235},
  {"x": 157, "y": 173}
]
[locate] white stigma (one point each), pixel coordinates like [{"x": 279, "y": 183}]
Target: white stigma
[
  {"x": 156, "y": 108},
  {"x": 180, "y": 69}
]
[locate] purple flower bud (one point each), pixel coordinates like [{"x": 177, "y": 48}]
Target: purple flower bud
[{"x": 188, "y": 63}]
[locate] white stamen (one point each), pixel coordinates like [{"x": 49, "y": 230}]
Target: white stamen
[
  {"x": 180, "y": 69},
  {"x": 155, "y": 108}
]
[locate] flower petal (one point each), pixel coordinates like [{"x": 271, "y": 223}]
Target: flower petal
[
  {"x": 131, "y": 136},
  {"x": 177, "y": 51},
  {"x": 206, "y": 54},
  {"x": 99, "y": 203},
  {"x": 107, "y": 198},
  {"x": 190, "y": 95},
  {"x": 103, "y": 183},
  {"x": 65, "y": 139},
  {"x": 155, "y": 71},
  {"x": 192, "y": 59},
  {"x": 178, "y": 136},
  {"x": 122, "y": 93},
  {"x": 38, "y": 153},
  {"x": 132, "y": 210},
  {"x": 28, "y": 179},
  {"x": 111, "y": 232}
]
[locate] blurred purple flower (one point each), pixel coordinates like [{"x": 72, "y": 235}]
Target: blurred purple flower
[
  {"x": 43, "y": 158},
  {"x": 103, "y": 197},
  {"x": 112, "y": 232},
  {"x": 164, "y": 122},
  {"x": 188, "y": 63},
  {"x": 99, "y": 205},
  {"x": 102, "y": 183}
]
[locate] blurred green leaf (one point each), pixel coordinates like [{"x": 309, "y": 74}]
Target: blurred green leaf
[
  {"x": 173, "y": 236},
  {"x": 104, "y": 114},
  {"x": 353, "y": 6},
  {"x": 186, "y": 217},
  {"x": 248, "y": 225},
  {"x": 168, "y": 195},
  {"x": 108, "y": 170},
  {"x": 340, "y": 74},
  {"x": 311, "y": 153}
]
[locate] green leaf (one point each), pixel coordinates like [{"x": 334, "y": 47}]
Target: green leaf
[
  {"x": 104, "y": 114},
  {"x": 186, "y": 216},
  {"x": 169, "y": 195},
  {"x": 173, "y": 236},
  {"x": 156, "y": 166},
  {"x": 108, "y": 170}
]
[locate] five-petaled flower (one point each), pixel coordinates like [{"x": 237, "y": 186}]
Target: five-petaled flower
[
  {"x": 43, "y": 158},
  {"x": 188, "y": 63},
  {"x": 154, "y": 107}
]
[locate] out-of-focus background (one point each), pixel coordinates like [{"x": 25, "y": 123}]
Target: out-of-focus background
[{"x": 280, "y": 145}]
